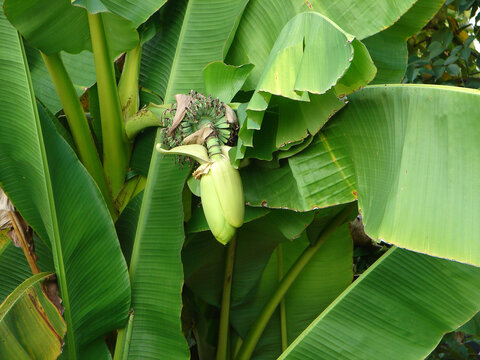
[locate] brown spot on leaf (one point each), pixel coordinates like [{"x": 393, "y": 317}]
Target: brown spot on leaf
[
  {"x": 264, "y": 203},
  {"x": 308, "y": 4}
]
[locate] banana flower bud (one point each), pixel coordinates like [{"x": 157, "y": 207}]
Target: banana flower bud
[{"x": 221, "y": 190}]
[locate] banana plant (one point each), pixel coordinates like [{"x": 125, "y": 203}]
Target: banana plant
[{"x": 193, "y": 178}]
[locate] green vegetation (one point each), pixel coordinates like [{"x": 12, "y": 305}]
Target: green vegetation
[{"x": 193, "y": 190}]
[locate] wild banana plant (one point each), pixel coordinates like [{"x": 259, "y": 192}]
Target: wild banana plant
[{"x": 185, "y": 178}]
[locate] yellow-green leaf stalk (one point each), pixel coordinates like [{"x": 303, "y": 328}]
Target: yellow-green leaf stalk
[{"x": 128, "y": 84}]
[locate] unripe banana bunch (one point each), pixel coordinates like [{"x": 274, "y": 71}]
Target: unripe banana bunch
[
  {"x": 194, "y": 117},
  {"x": 220, "y": 187}
]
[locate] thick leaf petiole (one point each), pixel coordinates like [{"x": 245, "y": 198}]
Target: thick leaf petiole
[
  {"x": 123, "y": 340},
  {"x": 78, "y": 125},
  {"x": 128, "y": 85},
  {"x": 283, "y": 313},
  {"x": 116, "y": 147},
  {"x": 223, "y": 331},
  {"x": 140, "y": 121}
]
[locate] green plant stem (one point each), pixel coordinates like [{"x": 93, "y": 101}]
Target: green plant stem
[
  {"x": 128, "y": 85},
  {"x": 124, "y": 336},
  {"x": 214, "y": 147},
  {"x": 78, "y": 124},
  {"x": 237, "y": 347},
  {"x": 260, "y": 323},
  {"x": 283, "y": 313},
  {"x": 116, "y": 147},
  {"x": 222, "y": 346},
  {"x": 141, "y": 120}
]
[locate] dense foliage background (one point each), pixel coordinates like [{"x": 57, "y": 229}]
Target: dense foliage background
[{"x": 444, "y": 52}]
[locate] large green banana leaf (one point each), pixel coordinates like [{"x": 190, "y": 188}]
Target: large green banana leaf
[
  {"x": 31, "y": 327},
  {"x": 409, "y": 152},
  {"x": 264, "y": 19},
  {"x": 135, "y": 11},
  {"x": 46, "y": 183},
  {"x": 327, "y": 274},
  {"x": 155, "y": 268},
  {"x": 193, "y": 34},
  {"x": 52, "y": 26},
  {"x": 416, "y": 158},
  {"x": 398, "y": 309},
  {"x": 172, "y": 63}
]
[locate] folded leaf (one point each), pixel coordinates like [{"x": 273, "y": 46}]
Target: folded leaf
[
  {"x": 264, "y": 19},
  {"x": 318, "y": 177},
  {"x": 224, "y": 81},
  {"x": 315, "y": 63},
  {"x": 155, "y": 266}
]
